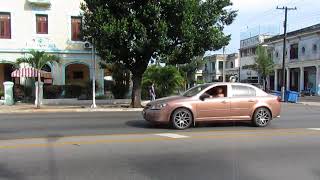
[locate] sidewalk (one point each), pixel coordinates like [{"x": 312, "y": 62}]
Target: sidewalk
[
  {"x": 30, "y": 108},
  {"x": 310, "y": 100}
]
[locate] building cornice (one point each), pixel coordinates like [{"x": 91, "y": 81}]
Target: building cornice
[{"x": 47, "y": 51}]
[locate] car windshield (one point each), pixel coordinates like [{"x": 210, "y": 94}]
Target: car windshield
[{"x": 195, "y": 90}]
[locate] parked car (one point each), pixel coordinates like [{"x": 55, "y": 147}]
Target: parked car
[{"x": 215, "y": 102}]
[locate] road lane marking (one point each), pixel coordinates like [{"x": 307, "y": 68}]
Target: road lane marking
[
  {"x": 171, "y": 135},
  {"x": 148, "y": 133},
  {"x": 316, "y": 129},
  {"x": 152, "y": 139}
]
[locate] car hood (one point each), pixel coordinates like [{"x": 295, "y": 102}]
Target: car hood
[{"x": 168, "y": 99}]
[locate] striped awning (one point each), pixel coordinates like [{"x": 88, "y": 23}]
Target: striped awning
[{"x": 30, "y": 72}]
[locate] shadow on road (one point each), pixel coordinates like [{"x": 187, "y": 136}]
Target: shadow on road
[
  {"x": 146, "y": 125},
  {"x": 52, "y": 164},
  {"x": 6, "y": 173}
]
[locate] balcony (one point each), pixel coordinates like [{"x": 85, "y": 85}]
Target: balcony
[{"x": 42, "y": 3}]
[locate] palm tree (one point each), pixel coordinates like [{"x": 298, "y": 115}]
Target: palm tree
[{"x": 37, "y": 60}]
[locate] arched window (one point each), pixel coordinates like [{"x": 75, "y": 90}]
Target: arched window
[{"x": 46, "y": 68}]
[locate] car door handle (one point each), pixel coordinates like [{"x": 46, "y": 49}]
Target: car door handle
[
  {"x": 251, "y": 100},
  {"x": 224, "y": 102}
]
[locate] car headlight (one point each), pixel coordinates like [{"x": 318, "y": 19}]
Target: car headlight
[{"x": 158, "y": 106}]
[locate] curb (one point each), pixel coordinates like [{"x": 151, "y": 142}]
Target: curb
[
  {"x": 72, "y": 110},
  {"x": 310, "y": 103}
]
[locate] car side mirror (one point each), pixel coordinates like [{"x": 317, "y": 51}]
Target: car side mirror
[{"x": 204, "y": 96}]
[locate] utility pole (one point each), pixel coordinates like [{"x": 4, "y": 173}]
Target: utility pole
[
  {"x": 223, "y": 64},
  {"x": 93, "y": 56},
  {"x": 283, "y": 86}
]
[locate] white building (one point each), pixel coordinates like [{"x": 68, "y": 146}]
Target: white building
[
  {"x": 213, "y": 70},
  {"x": 302, "y": 60},
  {"x": 52, "y": 26},
  {"x": 247, "y": 57}
]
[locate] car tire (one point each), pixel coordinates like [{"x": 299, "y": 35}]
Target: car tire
[
  {"x": 261, "y": 117},
  {"x": 181, "y": 118}
]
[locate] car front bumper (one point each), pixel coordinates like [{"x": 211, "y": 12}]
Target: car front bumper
[{"x": 156, "y": 116}]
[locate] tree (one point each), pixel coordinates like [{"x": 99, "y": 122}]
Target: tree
[
  {"x": 189, "y": 70},
  {"x": 130, "y": 32},
  {"x": 121, "y": 77},
  {"x": 167, "y": 80},
  {"x": 263, "y": 64},
  {"x": 37, "y": 60}
]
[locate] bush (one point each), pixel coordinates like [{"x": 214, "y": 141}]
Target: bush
[
  {"x": 101, "y": 97},
  {"x": 86, "y": 91},
  {"x": 52, "y": 91},
  {"x": 167, "y": 81},
  {"x": 72, "y": 91},
  {"x": 1, "y": 93},
  {"x": 22, "y": 93}
]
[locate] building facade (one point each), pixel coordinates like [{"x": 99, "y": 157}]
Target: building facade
[
  {"x": 50, "y": 26},
  {"x": 213, "y": 69},
  {"x": 302, "y": 60},
  {"x": 247, "y": 57}
]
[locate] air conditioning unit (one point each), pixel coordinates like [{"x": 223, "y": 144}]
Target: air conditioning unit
[{"x": 87, "y": 45}]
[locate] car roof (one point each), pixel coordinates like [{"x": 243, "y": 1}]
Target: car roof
[{"x": 231, "y": 83}]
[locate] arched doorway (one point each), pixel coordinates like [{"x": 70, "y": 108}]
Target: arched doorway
[
  {"x": 77, "y": 80},
  {"x": 77, "y": 74},
  {"x": 5, "y": 74}
]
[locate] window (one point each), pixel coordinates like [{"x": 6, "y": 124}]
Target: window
[
  {"x": 277, "y": 54},
  {"x": 5, "y": 26},
  {"x": 213, "y": 66},
  {"x": 78, "y": 75},
  {"x": 220, "y": 65},
  {"x": 314, "y": 48},
  {"x": 294, "y": 51},
  {"x": 76, "y": 23},
  {"x": 303, "y": 50},
  {"x": 231, "y": 64},
  {"x": 241, "y": 91},
  {"x": 42, "y": 24},
  {"x": 217, "y": 91}
]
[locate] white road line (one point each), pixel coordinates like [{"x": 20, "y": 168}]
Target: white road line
[
  {"x": 171, "y": 135},
  {"x": 316, "y": 129}
]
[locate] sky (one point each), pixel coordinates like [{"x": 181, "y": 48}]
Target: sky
[{"x": 255, "y": 13}]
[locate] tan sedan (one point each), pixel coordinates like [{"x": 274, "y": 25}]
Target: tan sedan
[{"x": 215, "y": 102}]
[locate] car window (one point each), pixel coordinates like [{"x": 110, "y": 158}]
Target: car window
[
  {"x": 195, "y": 90},
  {"x": 217, "y": 91},
  {"x": 241, "y": 91}
]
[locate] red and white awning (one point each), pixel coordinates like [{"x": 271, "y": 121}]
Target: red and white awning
[{"x": 30, "y": 72}]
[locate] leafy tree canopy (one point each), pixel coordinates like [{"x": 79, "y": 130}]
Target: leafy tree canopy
[{"x": 132, "y": 31}]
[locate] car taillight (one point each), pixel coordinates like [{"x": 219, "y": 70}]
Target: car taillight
[{"x": 279, "y": 99}]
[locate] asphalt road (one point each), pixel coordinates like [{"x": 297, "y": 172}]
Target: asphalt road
[
  {"x": 94, "y": 123},
  {"x": 85, "y": 146}
]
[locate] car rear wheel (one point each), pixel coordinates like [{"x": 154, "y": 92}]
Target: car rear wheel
[
  {"x": 181, "y": 118},
  {"x": 261, "y": 117}
]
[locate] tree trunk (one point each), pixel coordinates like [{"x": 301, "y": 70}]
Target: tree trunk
[{"x": 136, "y": 91}]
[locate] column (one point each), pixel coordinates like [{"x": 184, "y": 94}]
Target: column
[
  {"x": 318, "y": 80},
  {"x": 288, "y": 79},
  {"x": 40, "y": 93},
  {"x": 8, "y": 93},
  {"x": 301, "y": 84},
  {"x": 276, "y": 79}
]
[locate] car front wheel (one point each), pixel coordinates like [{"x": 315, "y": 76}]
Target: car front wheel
[
  {"x": 181, "y": 118},
  {"x": 261, "y": 117}
]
